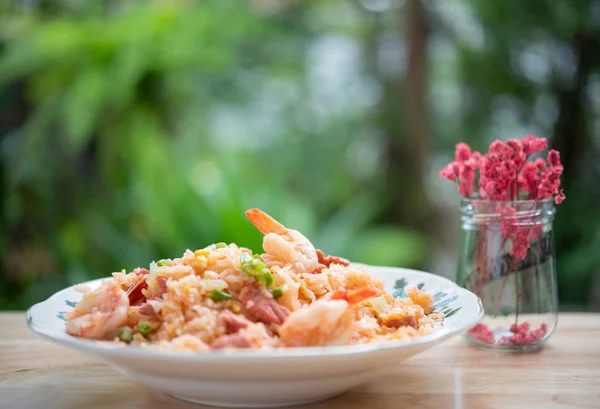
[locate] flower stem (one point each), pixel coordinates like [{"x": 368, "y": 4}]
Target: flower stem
[
  {"x": 516, "y": 296},
  {"x": 527, "y": 284},
  {"x": 535, "y": 274},
  {"x": 500, "y": 296},
  {"x": 514, "y": 265},
  {"x": 480, "y": 261}
]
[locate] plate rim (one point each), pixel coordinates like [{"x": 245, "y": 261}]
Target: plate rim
[{"x": 105, "y": 348}]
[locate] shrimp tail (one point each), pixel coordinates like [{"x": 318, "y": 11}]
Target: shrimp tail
[
  {"x": 354, "y": 296},
  {"x": 265, "y": 223}
]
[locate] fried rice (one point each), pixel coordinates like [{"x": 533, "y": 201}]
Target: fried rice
[{"x": 224, "y": 296}]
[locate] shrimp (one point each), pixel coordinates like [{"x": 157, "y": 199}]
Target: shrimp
[
  {"x": 328, "y": 321},
  {"x": 99, "y": 313},
  {"x": 284, "y": 244}
]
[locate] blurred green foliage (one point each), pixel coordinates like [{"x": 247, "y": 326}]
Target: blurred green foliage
[
  {"x": 121, "y": 162},
  {"x": 134, "y": 130},
  {"x": 538, "y": 71}
]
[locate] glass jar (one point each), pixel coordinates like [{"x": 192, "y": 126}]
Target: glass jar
[{"x": 506, "y": 257}]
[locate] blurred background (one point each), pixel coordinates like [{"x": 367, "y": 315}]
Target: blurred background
[{"x": 132, "y": 130}]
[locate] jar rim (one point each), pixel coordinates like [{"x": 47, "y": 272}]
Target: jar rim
[
  {"x": 466, "y": 200},
  {"x": 491, "y": 210}
]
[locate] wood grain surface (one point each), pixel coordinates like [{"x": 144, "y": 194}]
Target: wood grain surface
[{"x": 35, "y": 373}]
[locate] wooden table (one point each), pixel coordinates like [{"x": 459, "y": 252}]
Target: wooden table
[{"x": 566, "y": 374}]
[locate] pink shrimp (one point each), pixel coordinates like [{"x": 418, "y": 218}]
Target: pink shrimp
[
  {"x": 328, "y": 321},
  {"x": 286, "y": 245},
  {"x": 99, "y": 313}
]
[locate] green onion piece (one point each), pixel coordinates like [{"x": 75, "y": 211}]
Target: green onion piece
[
  {"x": 277, "y": 292},
  {"x": 144, "y": 328},
  {"x": 218, "y": 295},
  {"x": 220, "y": 245},
  {"x": 266, "y": 277},
  {"x": 162, "y": 263},
  {"x": 252, "y": 265},
  {"x": 245, "y": 259},
  {"x": 125, "y": 334}
]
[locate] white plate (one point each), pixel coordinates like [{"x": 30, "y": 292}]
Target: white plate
[{"x": 278, "y": 377}]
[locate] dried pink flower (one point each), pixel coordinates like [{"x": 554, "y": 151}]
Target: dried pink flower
[
  {"x": 550, "y": 179},
  {"x": 560, "y": 197},
  {"x": 504, "y": 173},
  {"x": 482, "y": 333},
  {"x": 522, "y": 334},
  {"x": 496, "y": 147},
  {"x": 462, "y": 170},
  {"x": 532, "y": 145},
  {"x": 449, "y": 172},
  {"x": 462, "y": 152},
  {"x": 554, "y": 158},
  {"x": 529, "y": 178}
]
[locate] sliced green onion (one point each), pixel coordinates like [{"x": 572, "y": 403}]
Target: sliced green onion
[
  {"x": 220, "y": 245},
  {"x": 125, "y": 334},
  {"x": 254, "y": 266},
  {"x": 162, "y": 263},
  {"x": 245, "y": 258},
  {"x": 251, "y": 265},
  {"x": 218, "y": 295},
  {"x": 266, "y": 277},
  {"x": 144, "y": 328},
  {"x": 277, "y": 292}
]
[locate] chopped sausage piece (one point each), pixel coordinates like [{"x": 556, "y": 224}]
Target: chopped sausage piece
[
  {"x": 231, "y": 341},
  {"x": 135, "y": 292},
  {"x": 262, "y": 306},
  {"x": 162, "y": 286},
  {"x": 397, "y": 321},
  {"x": 326, "y": 261},
  {"x": 232, "y": 322},
  {"x": 147, "y": 310}
]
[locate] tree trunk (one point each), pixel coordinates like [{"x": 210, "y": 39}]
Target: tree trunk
[
  {"x": 405, "y": 121},
  {"x": 573, "y": 138},
  {"x": 415, "y": 93},
  {"x": 571, "y": 135}
]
